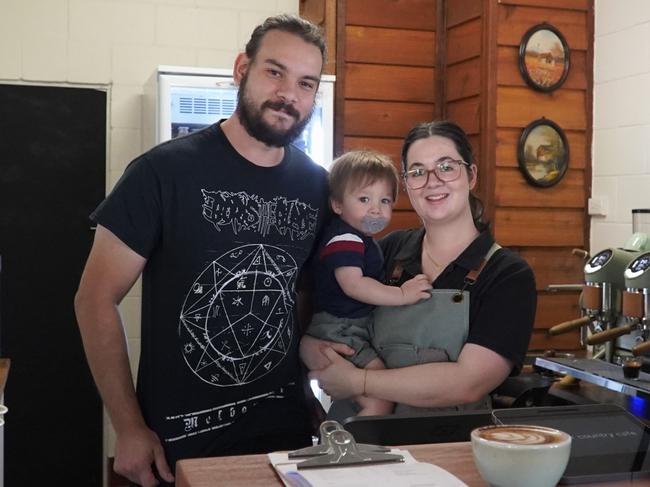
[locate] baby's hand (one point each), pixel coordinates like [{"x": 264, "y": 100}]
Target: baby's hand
[{"x": 416, "y": 289}]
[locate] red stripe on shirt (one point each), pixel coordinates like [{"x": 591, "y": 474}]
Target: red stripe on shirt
[{"x": 342, "y": 246}]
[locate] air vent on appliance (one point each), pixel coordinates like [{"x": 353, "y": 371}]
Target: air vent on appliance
[
  {"x": 200, "y": 105},
  {"x": 185, "y": 104},
  {"x": 228, "y": 106},
  {"x": 210, "y": 106}
]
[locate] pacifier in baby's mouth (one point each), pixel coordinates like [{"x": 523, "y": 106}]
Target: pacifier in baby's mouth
[{"x": 371, "y": 224}]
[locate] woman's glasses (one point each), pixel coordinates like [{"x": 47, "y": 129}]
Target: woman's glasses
[{"x": 445, "y": 171}]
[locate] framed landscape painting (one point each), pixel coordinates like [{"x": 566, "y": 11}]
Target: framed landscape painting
[
  {"x": 543, "y": 153},
  {"x": 544, "y": 58}
]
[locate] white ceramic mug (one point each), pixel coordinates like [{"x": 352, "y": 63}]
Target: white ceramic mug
[{"x": 521, "y": 455}]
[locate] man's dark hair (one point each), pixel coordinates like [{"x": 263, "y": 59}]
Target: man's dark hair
[{"x": 291, "y": 24}]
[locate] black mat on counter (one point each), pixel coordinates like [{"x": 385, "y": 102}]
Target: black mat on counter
[{"x": 608, "y": 443}]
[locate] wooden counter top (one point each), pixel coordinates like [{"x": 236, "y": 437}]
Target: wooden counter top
[{"x": 256, "y": 471}]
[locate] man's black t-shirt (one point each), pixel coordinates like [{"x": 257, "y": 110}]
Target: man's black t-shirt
[{"x": 224, "y": 241}]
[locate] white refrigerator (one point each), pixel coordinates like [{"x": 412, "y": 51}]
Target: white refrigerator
[{"x": 179, "y": 100}]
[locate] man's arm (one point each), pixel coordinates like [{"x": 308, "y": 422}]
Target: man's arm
[{"x": 111, "y": 270}]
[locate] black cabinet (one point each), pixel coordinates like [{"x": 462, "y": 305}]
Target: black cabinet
[{"x": 52, "y": 174}]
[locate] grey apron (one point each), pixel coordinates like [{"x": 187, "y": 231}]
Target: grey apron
[{"x": 433, "y": 330}]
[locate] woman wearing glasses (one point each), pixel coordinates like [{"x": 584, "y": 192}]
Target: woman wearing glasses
[{"x": 452, "y": 350}]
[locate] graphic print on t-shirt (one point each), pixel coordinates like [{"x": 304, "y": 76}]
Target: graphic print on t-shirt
[
  {"x": 235, "y": 322},
  {"x": 244, "y": 212}
]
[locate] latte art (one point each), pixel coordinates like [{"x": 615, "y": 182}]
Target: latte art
[{"x": 521, "y": 435}]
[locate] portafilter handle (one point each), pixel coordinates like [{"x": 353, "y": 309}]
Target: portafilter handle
[
  {"x": 567, "y": 326},
  {"x": 611, "y": 334}
]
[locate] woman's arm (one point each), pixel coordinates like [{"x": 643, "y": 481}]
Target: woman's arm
[{"x": 477, "y": 372}]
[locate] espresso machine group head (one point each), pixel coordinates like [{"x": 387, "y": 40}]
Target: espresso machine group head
[
  {"x": 636, "y": 299},
  {"x": 602, "y": 295}
]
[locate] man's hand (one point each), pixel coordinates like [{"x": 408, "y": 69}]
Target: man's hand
[
  {"x": 312, "y": 352},
  {"x": 416, "y": 289},
  {"x": 340, "y": 379},
  {"x": 135, "y": 452}
]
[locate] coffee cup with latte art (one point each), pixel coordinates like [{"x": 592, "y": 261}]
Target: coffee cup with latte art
[{"x": 521, "y": 455}]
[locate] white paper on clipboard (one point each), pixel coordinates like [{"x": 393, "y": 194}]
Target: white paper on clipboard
[{"x": 410, "y": 473}]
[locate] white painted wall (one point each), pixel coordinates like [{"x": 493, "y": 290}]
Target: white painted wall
[
  {"x": 621, "y": 148},
  {"x": 116, "y": 44}
]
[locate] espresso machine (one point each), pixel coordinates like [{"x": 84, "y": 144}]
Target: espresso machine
[{"x": 614, "y": 325}]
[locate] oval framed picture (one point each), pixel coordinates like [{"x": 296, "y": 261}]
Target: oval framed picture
[
  {"x": 543, "y": 153},
  {"x": 544, "y": 57}
]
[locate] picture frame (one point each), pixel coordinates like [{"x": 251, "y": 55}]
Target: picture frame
[
  {"x": 543, "y": 153},
  {"x": 544, "y": 57}
]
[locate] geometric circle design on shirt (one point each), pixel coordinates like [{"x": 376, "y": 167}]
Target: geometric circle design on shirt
[{"x": 236, "y": 324}]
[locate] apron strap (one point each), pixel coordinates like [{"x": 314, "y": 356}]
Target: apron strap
[{"x": 472, "y": 275}]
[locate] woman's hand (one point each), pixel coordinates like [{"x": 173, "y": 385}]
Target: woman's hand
[
  {"x": 312, "y": 352},
  {"x": 340, "y": 379}
]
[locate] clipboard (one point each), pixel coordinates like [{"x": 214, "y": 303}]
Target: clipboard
[{"x": 339, "y": 460}]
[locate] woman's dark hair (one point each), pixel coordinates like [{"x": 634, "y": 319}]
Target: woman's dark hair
[
  {"x": 457, "y": 135},
  {"x": 292, "y": 24}
]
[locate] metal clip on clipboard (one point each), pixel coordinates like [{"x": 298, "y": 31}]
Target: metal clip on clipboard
[
  {"x": 347, "y": 453},
  {"x": 325, "y": 447},
  {"x": 339, "y": 449}
]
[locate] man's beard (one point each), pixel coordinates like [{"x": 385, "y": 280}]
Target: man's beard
[{"x": 251, "y": 119}]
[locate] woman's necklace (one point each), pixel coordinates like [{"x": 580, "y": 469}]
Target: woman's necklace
[{"x": 435, "y": 263}]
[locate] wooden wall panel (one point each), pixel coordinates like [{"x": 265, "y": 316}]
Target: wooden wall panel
[
  {"x": 404, "y": 14},
  {"x": 405, "y": 219},
  {"x": 507, "y": 140},
  {"x": 514, "y": 191},
  {"x": 466, "y": 113},
  {"x": 554, "y": 266},
  {"x": 464, "y": 41},
  {"x": 383, "y": 119},
  {"x": 517, "y": 107},
  {"x": 508, "y": 73},
  {"x": 555, "y": 308},
  {"x": 463, "y": 79},
  {"x": 514, "y": 21},
  {"x": 541, "y": 341},
  {"x": 390, "y": 46},
  {"x": 384, "y": 82},
  {"x": 560, "y": 4},
  {"x": 386, "y": 78},
  {"x": 544, "y": 223},
  {"x": 390, "y": 146},
  {"x": 539, "y": 227},
  {"x": 459, "y": 11}
]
